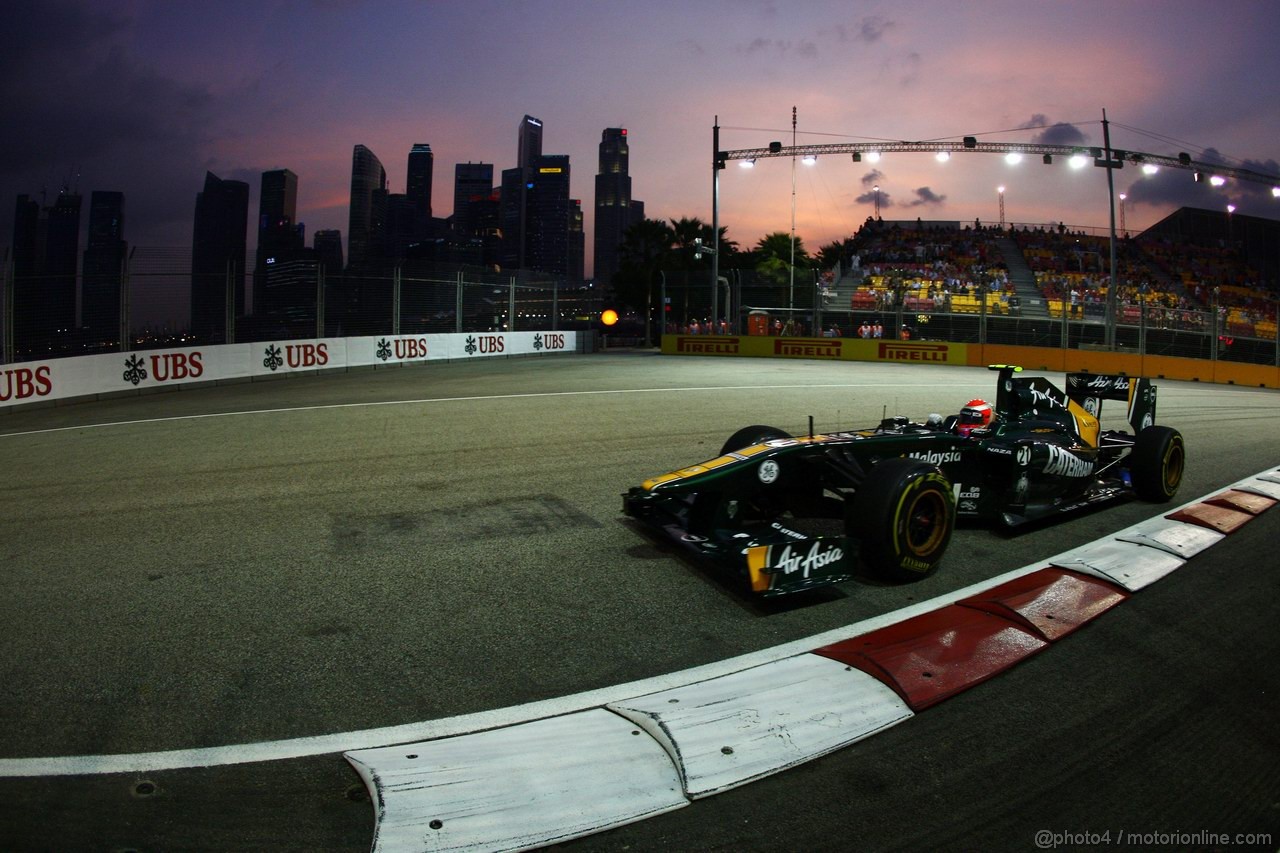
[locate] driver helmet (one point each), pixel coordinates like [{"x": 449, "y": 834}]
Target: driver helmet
[{"x": 976, "y": 414}]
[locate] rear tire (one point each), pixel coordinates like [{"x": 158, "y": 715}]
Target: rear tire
[
  {"x": 902, "y": 517},
  {"x": 1157, "y": 463}
]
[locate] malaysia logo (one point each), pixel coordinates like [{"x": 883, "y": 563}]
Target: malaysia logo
[{"x": 933, "y": 457}]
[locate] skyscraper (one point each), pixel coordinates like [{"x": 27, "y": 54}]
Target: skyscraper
[
  {"x": 613, "y": 202},
  {"x": 418, "y": 188},
  {"x": 328, "y": 247},
  {"x": 218, "y": 257},
  {"x": 529, "y": 145},
  {"x": 548, "y": 214},
  {"x": 103, "y": 268},
  {"x": 577, "y": 243},
  {"x": 280, "y": 237},
  {"x": 471, "y": 182},
  {"x": 367, "y": 175}
]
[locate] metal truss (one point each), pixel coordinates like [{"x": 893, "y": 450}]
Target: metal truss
[{"x": 1116, "y": 160}]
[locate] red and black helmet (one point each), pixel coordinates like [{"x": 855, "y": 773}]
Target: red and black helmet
[{"x": 976, "y": 414}]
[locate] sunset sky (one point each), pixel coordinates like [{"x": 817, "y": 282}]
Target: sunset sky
[{"x": 144, "y": 97}]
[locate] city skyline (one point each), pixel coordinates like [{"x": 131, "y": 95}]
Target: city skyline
[{"x": 144, "y": 99}]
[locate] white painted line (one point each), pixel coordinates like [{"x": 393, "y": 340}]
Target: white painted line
[
  {"x": 519, "y": 787},
  {"x": 424, "y": 401},
  {"x": 447, "y": 727},
  {"x": 728, "y": 731}
]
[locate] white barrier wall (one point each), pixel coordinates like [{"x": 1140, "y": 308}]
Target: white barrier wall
[{"x": 60, "y": 378}]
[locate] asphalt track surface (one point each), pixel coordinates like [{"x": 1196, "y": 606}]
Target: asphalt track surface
[{"x": 246, "y": 564}]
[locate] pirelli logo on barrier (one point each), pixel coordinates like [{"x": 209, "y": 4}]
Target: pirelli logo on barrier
[
  {"x": 805, "y": 348},
  {"x": 709, "y": 345},
  {"x": 903, "y": 351}
]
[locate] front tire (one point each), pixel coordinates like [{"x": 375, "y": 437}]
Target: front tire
[
  {"x": 1157, "y": 463},
  {"x": 903, "y": 516},
  {"x": 752, "y": 435}
]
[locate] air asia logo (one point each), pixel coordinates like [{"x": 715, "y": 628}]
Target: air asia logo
[
  {"x": 913, "y": 352},
  {"x": 1045, "y": 394},
  {"x": 707, "y": 346},
  {"x": 165, "y": 367},
  {"x": 1108, "y": 383},
  {"x": 807, "y": 349},
  {"x": 933, "y": 457},
  {"x": 22, "y": 382},
  {"x": 549, "y": 341},
  {"x": 819, "y": 556},
  {"x": 1066, "y": 464},
  {"x": 485, "y": 344}
]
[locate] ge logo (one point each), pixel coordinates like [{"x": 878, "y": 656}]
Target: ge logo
[
  {"x": 768, "y": 471},
  {"x": 1024, "y": 455}
]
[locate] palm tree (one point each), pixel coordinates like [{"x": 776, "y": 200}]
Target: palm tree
[
  {"x": 646, "y": 249},
  {"x": 778, "y": 245}
]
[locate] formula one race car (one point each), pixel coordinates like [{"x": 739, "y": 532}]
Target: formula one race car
[{"x": 764, "y": 506}]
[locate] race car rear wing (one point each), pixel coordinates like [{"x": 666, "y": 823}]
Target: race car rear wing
[
  {"x": 1090, "y": 389},
  {"x": 1086, "y": 390}
]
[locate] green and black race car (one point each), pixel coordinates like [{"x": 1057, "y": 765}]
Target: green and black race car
[{"x": 796, "y": 512}]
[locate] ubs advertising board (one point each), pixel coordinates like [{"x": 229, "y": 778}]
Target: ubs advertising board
[{"x": 831, "y": 349}]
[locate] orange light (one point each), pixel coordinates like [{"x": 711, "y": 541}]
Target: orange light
[{"x": 609, "y": 317}]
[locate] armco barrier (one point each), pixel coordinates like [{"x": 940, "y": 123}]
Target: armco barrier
[
  {"x": 116, "y": 373},
  {"x": 975, "y": 355}
]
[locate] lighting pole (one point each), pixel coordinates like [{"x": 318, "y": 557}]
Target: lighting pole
[
  {"x": 1112, "y": 295},
  {"x": 1123, "y": 232},
  {"x": 717, "y": 163},
  {"x": 1000, "y": 193},
  {"x": 876, "y": 189},
  {"x": 791, "y": 298}
]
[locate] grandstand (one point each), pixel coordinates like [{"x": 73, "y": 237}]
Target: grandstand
[{"x": 1191, "y": 263}]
